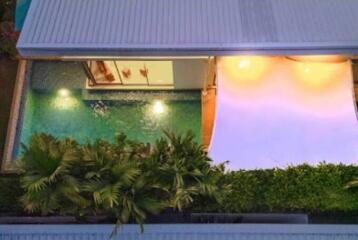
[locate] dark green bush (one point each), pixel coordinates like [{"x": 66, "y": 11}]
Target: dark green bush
[
  {"x": 7, "y": 10},
  {"x": 123, "y": 179},
  {"x": 8, "y": 35},
  {"x": 49, "y": 185},
  {"x": 176, "y": 174},
  {"x": 297, "y": 189},
  {"x": 182, "y": 169},
  {"x": 10, "y": 192},
  {"x": 302, "y": 188}
]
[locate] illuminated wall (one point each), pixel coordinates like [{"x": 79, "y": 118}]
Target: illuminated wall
[{"x": 276, "y": 111}]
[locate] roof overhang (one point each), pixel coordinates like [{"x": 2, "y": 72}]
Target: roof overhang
[{"x": 110, "y": 28}]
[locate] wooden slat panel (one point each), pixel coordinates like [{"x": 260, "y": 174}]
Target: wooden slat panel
[
  {"x": 208, "y": 102},
  {"x": 14, "y": 115}
]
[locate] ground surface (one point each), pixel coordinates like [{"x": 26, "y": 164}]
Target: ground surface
[{"x": 8, "y": 70}]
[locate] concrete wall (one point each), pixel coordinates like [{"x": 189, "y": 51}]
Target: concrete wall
[
  {"x": 190, "y": 73},
  {"x": 182, "y": 232}
]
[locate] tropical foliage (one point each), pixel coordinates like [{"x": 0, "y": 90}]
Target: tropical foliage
[
  {"x": 304, "y": 188},
  {"x": 125, "y": 179},
  {"x": 114, "y": 182},
  {"x": 49, "y": 184},
  {"x": 182, "y": 169},
  {"x": 7, "y": 10},
  {"x": 311, "y": 189},
  {"x": 353, "y": 183},
  {"x": 130, "y": 181},
  {"x": 8, "y": 35}
]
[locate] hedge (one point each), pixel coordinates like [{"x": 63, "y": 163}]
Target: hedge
[{"x": 303, "y": 188}]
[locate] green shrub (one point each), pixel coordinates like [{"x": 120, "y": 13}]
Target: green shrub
[
  {"x": 10, "y": 192},
  {"x": 302, "y": 188},
  {"x": 128, "y": 180},
  {"x": 124, "y": 179},
  {"x": 48, "y": 181},
  {"x": 8, "y": 35},
  {"x": 7, "y": 10},
  {"x": 182, "y": 169},
  {"x": 114, "y": 182},
  {"x": 7, "y": 44}
]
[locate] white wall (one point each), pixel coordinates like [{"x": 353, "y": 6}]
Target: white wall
[
  {"x": 190, "y": 73},
  {"x": 292, "y": 113}
]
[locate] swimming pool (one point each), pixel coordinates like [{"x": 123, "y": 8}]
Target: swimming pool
[
  {"x": 22, "y": 6},
  {"x": 55, "y": 102},
  {"x": 64, "y": 113}
]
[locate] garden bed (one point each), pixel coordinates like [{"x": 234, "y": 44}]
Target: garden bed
[
  {"x": 165, "y": 218},
  {"x": 171, "y": 181},
  {"x": 318, "y": 191}
]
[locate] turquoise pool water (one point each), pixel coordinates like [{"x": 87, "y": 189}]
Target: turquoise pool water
[
  {"x": 22, "y": 6},
  {"x": 67, "y": 114}
]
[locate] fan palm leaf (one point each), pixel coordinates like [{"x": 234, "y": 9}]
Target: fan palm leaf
[{"x": 47, "y": 180}]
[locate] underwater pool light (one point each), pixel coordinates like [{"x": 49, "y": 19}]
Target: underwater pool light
[
  {"x": 63, "y": 92},
  {"x": 64, "y": 100},
  {"x": 158, "y": 107}
]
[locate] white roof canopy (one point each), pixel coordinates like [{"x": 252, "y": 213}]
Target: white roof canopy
[{"x": 189, "y": 27}]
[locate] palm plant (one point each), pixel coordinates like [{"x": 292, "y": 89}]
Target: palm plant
[
  {"x": 182, "y": 169},
  {"x": 122, "y": 179},
  {"x": 47, "y": 179},
  {"x": 115, "y": 183}
]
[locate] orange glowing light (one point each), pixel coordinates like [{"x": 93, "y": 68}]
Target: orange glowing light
[
  {"x": 317, "y": 71},
  {"x": 244, "y": 63},
  {"x": 319, "y": 58},
  {"x": 245, "y": 69},
  {"x": 319, "y": 75}
]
